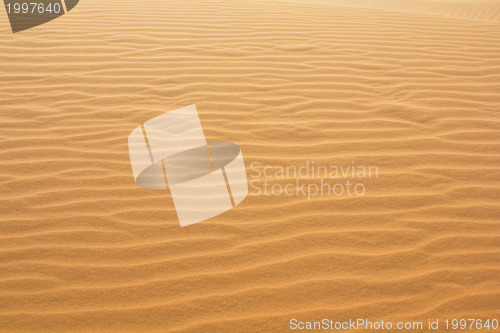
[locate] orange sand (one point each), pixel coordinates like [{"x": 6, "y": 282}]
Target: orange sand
[{"x": 414, "y": 92}]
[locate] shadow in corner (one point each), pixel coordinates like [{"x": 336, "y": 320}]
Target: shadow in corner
[{"x": 26, "y": 14}]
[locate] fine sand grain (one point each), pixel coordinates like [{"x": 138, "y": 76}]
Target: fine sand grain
[{"x": 413, "y": 90}]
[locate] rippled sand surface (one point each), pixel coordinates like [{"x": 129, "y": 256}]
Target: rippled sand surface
[{"x": 412, "y": 91}]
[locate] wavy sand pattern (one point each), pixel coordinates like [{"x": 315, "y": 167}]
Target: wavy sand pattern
[{"x": 82, "y": 248}]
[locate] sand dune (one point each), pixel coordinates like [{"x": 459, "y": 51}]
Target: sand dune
[
  {"x": 412, "y": 91},
  {"x": 481, "y": 10}
]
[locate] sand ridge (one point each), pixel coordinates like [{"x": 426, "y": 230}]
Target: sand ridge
[{"x": 82, "y": 248}]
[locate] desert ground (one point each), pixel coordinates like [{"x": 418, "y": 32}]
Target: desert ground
[{"x": 412, "y": 87}]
